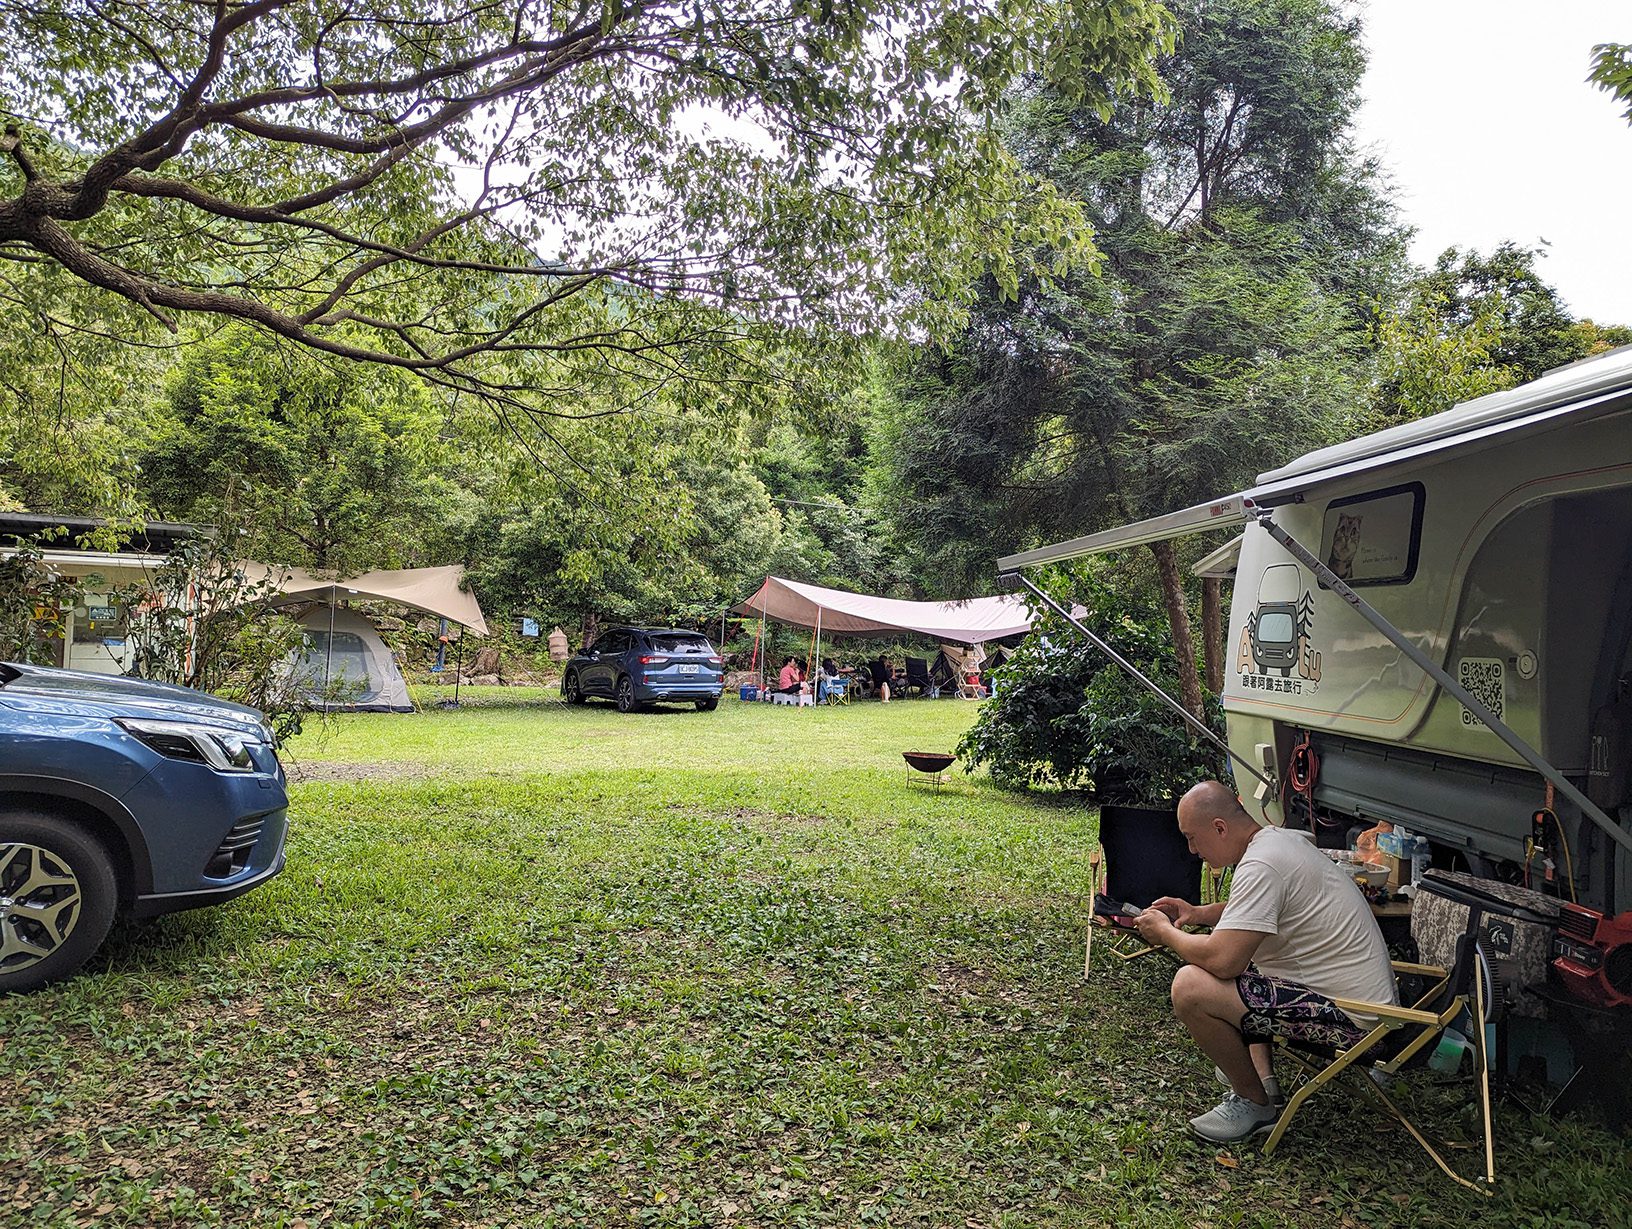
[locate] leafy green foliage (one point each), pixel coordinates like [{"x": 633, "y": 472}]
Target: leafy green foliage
[
  {"x": 1473, "y": 325},
  {"x": 1612, "y": 73},
  {"x": 199, "y": 621},
  {"x": 34, "y": 597},
  {"x": 1065, "y": 716},
  {"x": 618, "y": 190},
  {"x": 1223, "y": 334},
  {"x": 1427, "y": 363},
  {"x": 327, "y": 464},
  {"x": 75, "y": 377}
]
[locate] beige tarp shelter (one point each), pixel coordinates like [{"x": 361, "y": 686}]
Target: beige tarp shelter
[
  {"x": 345, "y": 647},
  {"x": 838, "y": 613},
  {"x": 433, "y": 590}
]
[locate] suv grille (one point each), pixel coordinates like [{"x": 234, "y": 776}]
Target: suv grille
[{"x": 234, "y": 853}]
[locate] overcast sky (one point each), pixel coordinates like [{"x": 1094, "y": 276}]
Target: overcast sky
[{"x": 1482, "y": 113}]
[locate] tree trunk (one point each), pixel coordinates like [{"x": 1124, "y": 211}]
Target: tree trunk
[
  {"x": 1178, "y": 615},
  {"x": 1212, "y": 631}
]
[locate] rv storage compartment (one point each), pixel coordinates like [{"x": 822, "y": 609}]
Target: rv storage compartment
[{"x": 1516, "y": 935}]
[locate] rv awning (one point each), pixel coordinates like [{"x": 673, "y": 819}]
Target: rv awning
[
  {"x": 1221, "y": 563},
  {"x": 433, "y": 590},
  {"x": 972, "y": 621},
  {"x": 1588, "y": 389}
]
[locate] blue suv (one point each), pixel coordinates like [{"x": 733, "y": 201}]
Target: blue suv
[
  {"x": 637, "y": 666},
  {"x": 123, "y": 797}
]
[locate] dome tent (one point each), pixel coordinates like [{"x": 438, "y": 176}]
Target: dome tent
[{"x": 344, "y": 648}]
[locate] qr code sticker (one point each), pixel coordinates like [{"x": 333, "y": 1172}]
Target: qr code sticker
[{"x": 1484, "y": 678}]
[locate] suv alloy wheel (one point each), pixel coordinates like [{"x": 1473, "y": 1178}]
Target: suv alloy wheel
[
  {"x": 57, "y": 898},
  {"x": 626, "y": 695}
]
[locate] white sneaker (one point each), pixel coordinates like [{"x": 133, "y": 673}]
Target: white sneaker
[{"x": 1234, "y": 1118}]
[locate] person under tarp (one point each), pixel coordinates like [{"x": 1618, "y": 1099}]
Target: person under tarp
[{"x": 836, "y": 612}]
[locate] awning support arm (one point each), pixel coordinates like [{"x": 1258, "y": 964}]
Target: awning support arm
[
  {"x": 1190, "y": 719},
  {"x": 1520, "y": 748}
]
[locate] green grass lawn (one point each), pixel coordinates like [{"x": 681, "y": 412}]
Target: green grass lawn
[{"x": 532, "y": 965}]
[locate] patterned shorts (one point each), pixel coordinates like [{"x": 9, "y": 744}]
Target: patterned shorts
[{"x": 1277, "y": 1008}]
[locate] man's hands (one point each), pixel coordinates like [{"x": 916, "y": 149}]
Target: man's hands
[
  {"x": 1179, "y": 912},
  {"x": 1156, "y": 924},
  {"x": 1167, "y": 916}
]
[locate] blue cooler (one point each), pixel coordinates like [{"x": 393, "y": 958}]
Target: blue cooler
[{"x": 748, "y": 692}]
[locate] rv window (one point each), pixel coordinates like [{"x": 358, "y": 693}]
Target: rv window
[{"x": 1372, "y": 539}]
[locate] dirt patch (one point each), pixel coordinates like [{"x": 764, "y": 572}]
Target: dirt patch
[{"x": 303, "y": 771}]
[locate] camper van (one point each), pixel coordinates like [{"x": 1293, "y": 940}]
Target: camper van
[{"x": 1442, "y": 613}]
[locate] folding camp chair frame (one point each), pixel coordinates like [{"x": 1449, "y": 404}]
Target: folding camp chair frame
[
  {"x": 1429, "y": 1024},
  {"x": 1117, "y": 939}
]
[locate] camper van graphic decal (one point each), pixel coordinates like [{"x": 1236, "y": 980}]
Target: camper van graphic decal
[{"x": 1276, "y": 651}]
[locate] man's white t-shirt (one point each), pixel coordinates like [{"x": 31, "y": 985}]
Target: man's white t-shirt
[{"x": 1319, "y": 931}]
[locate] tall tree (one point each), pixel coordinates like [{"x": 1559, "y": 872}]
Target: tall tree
[
  {"x": 442, "y": 190},
  {"x": 332, "y": 465},
  {"x": 1475, "y": 324},
  {"x": 1240, "y": 230}
]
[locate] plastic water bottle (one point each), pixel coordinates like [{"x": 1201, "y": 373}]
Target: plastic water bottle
[
  {"x": 1447, "y": 1055},
  {"x": 1422, "y": 854}
]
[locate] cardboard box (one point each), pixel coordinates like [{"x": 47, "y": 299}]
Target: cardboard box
[{"x": 1399, "y": 870}]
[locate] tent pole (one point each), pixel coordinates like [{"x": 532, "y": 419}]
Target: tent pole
[
  {"x": 328, "y": 658},
  {"x": 816, "y": 657},
  {"x": 459, "y": 665}
]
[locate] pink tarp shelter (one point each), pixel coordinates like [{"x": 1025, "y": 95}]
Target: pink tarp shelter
[{"x": 835, "y": 612}]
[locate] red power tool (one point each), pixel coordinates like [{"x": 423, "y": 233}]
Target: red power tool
[{"x": 1592, "y": 955}]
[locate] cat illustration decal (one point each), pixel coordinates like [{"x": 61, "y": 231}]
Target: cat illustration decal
[{"x": 1345, "y": 545}]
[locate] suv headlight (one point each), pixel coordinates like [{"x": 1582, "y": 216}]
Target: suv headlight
[{"x": 222, "y": 750}]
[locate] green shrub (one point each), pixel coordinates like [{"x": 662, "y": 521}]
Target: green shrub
[{"x": 1065, "y": 716}]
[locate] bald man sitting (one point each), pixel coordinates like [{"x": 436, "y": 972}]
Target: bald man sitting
[{"x": 1295, "y": 934}]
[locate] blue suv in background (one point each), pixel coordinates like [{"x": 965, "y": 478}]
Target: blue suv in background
[
  {"x": 637, "y": 666},
  {"x": 123, "y": 797}
]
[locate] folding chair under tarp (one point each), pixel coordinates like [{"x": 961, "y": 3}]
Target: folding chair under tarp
[
  {"x": 1141, "y": 857},
  {"x": 1404, "y": 1038},
  {"x": 918, "y": 676}
]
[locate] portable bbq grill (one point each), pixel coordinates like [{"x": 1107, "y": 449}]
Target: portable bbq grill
[{"x": 932, "y": 764}]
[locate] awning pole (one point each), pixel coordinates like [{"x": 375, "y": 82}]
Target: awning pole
[
  {"x": 1461, "y": 694},
  {"x": 1189, "y": 718},
  {"x": 816, "y": 659}
]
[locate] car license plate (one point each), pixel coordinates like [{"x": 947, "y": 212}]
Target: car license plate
[{"x": 688, "y": 669}]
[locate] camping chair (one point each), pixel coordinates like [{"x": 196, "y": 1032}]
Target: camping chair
[
  {"x": 1404, "y": 1038},
  {"x": 918, "y": 676},
  {"x": 832, "y": 689},
  {"x": 1141, "y": 856}
]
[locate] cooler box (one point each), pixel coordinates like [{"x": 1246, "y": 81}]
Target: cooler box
[
  {"x": 1516, "y": 933},
  {"x": 748, "y": 692}
]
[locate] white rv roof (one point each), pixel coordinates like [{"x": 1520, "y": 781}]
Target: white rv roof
[{"x": 1592, "y": 385}]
